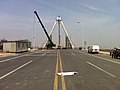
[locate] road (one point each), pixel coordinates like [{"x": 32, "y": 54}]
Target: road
[{"x": 38, "y": 71}]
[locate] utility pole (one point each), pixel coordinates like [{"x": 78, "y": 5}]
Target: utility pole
[
  {"x": 34, "y": 32},
  {"x": 82, "y": 36}
]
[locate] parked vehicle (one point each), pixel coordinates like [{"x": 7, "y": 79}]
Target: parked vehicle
[
  {"x": 93, "y": 49},
  {"x": 115, "y": 53}
]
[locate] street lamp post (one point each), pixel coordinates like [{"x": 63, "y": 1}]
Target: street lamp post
[{"x": 82, "y": 35}]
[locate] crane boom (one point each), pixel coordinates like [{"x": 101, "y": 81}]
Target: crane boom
[{"x": 51, "y": 44}]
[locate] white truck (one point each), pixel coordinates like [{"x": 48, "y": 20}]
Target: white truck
[{"x": 93, "y": 49}]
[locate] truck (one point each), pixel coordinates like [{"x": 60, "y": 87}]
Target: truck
[
  {"x": 93, "y": 49},
  {"x": 115, "y": 53}
]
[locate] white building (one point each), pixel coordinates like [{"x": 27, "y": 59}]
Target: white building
[{"x": 16, "y": 46}]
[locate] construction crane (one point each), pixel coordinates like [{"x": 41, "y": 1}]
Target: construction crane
[{"x": 50, "y": 44}]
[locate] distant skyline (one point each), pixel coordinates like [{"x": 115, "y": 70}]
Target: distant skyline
[{"x": 99, "y": 20}]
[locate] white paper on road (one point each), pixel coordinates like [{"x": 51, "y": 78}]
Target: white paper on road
[{"x": 66, "y": 73}]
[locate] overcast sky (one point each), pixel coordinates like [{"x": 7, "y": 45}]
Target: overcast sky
[{"x": 99, "y": 20}]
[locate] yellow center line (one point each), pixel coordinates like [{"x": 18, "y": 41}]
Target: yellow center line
[
  {"x": 61, "y": 70},
  {"x": 56, "y": 77},
  {"x": 56, "y": 71}
]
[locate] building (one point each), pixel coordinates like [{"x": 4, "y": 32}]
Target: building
[
  {"x": 1, "y": 43},
  {"x": 16, "y": 46}
]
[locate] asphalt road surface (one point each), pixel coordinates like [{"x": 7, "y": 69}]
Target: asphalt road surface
[{"x": 39, "y": 71}]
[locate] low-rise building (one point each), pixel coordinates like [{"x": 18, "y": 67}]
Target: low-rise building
[{"x": 16, "y": 46}]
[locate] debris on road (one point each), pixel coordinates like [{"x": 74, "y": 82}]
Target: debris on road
[{"x": 66, "y": 73}]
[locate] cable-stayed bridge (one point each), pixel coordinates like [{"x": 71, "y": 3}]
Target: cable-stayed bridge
[{"x": 49, "y": 43}]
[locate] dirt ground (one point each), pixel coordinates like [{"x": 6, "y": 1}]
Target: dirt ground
[
  {"x": 2, "y": 54},
  {"x": 103, "y": 52}
]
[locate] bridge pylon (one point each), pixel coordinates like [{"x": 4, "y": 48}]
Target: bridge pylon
[{"x": 68, "y": 41}]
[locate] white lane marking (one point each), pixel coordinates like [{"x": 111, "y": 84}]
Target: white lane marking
[
  {"x": 34, "y": 55},
  {"x": 101, "y": 69},
  {"x": 101, "y": 58},
  {"x": 73, "y": 54},
  {"x": 41, "y": 55},
  {"x": 107, "y": 59},
  {"x": 13, "y": 58},
  {"x": 15, "y": 70},
  {"x": 50, "y": 55}
]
